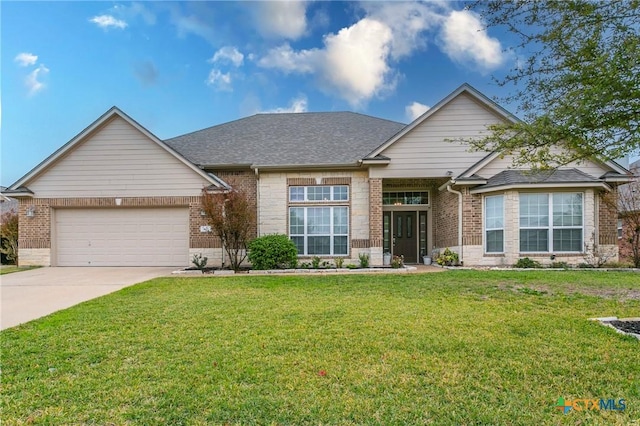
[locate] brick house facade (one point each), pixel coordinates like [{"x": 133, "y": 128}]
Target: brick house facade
[{"x": 339, "y": 184}]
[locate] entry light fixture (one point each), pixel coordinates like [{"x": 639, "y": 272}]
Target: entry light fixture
[{"x": 31, "y": 211}]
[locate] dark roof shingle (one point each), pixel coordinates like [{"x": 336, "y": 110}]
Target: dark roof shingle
[
  {"x": 520, "y": 177},
  {"x": 331, "y": 138}
]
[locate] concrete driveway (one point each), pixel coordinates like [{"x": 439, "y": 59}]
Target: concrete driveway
[{"x": 32, "y": 294}]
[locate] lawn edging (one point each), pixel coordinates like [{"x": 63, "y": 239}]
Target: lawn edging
[{"x": 299, "y": 271}]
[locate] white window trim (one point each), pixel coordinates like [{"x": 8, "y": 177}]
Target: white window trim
[
  {"x": 331, "y": 234},
  {"x": 549, "y": 228},
  {"x": 331, "y": 196},
  {"x": 620, "y": 228},
  {"x": 484, "y": 224}
]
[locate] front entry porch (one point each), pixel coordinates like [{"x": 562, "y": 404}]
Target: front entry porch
[
  {"x": 406, "y": 224},
  {"x": 405, "y": 234}
]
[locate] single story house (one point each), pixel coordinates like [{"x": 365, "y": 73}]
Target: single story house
[{"x": 338, "y": 183}]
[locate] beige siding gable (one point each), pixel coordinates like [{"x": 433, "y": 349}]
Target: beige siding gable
[
  {"x": 500, "y": 164},
  {"x": 117, "y": 160},
  {"x": 426, "y": 152}
]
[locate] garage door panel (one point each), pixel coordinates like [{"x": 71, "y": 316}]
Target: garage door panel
[{"x": 122, "y": 237}]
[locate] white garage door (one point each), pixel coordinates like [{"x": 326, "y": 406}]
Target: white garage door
[{"x": 122, "y": 237}]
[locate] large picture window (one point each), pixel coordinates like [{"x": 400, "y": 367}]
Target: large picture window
[
  {"x": 320, "y": 230},
  {"x": 494, "y": 224},
  {"x": 551, "y": 222}
]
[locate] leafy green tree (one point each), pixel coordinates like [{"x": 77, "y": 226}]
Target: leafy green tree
[
  {"x": 9, "y": 235},
  {"x": 579, "y": 86}
]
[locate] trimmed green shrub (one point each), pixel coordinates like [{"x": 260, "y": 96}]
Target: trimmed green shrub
[
  {"x": 364, "y": 260},
  {"x": 275, "y": 251},
  {"x": 559, "y": 265},
  {"x": 527, "y": 263},
  {"x": 448, "y": 258}
]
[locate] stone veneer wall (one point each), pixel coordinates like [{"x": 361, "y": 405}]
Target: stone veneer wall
[
  {"x": 274, "y": 201},
  {"x": 474, "y": 253}
]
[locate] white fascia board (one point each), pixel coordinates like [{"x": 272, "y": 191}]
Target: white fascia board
[{"x": 564, "y": 185}]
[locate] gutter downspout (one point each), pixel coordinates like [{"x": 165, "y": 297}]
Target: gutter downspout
[
  {"x": 460, "y": 223},
  {"x": 257, "y": 172}
]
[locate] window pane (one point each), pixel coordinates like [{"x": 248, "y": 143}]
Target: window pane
[
  {"x": 567, "y": 240},
  {"x": 319, "y": 245},
  {"x": 299, "y": 242},
  {"x": 409, "y": 226},
  {"x": 405, "y": 198},
  {"x": 567, "y": 209},
  {"x": 495, "y": 241},
  {"x": 340, "y": 245},
  {"x": 341, "y": 193},
  {"x": 494, "y": 212},
  {"x": 296, "y": 193},
  {"x": 319, "y": 220},
  {"x": 340, "y": 220},
  {"x": 296, "y": 220},
  {"x": 386, "y": 230},
  {"x": 399, "y": 227},
  {"x": 318, "y": 193},
  {"x": 534, "y": 210},
  {"x": 534, "y": 240}
]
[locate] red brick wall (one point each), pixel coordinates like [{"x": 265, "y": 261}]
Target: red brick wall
[
  {"x": 375, "y": 212},
  {"x": 35, "y": 232},
  {"x": 471, "y": 218},
  {"x": 245, "y": 181},
  {"x": 607, "y": 222},
  {"x": 445, "y": 218}
]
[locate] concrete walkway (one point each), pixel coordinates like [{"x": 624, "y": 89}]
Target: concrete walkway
[{"x": 27, "y": 295}]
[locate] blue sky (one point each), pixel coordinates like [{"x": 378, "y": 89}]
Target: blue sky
[{"x": 177, "y": 67}]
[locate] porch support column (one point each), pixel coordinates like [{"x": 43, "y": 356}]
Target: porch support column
[{"x": 375, "y": 220}]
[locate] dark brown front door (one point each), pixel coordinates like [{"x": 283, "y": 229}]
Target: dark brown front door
[{"x": 405, "y": 236}]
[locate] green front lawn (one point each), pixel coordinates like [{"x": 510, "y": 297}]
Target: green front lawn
[
  {"x": 460, "y": 347},
  {"x": 9, "y": 269}
]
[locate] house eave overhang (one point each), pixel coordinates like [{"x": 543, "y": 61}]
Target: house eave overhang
[
  {"x": 238, "y": 166},
  {"x": 469, "y": 182},
  {"x": 618, "y": 179},
  {"x": 21, "y": 192},
  {"x": 274, "y": 167},
  {"x": 375, "y": 161},
  {"x": 528, "y": 186}
]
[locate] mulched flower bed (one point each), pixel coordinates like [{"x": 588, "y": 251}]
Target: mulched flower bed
[{"x": 626, "y": 326}]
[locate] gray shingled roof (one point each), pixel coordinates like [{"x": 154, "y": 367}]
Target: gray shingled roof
[
  {"x": 519, "y": 177},
  {"x": 335, "y": 138}
]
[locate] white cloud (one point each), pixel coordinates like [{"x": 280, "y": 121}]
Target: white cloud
[
  {"x": 466, "y": 41},
  {"x": 287, "y": 60},
  {"x": 32, "y": 81},
  {"x": 26, "y": 59},
  {"x": 415, "y": 110},
  {"x": 359, "y": 62},
  {"x": 282, "y": 19},
  {"x": 219, "y": 81},
  {"x": 353, "y": 63},
  {"x": 108, "y": 21},
  {"x": 228, "y": 54},
  {"x": 297, "y": 105},
  {"x": 408, "y": 22},
  {"x": 356, "y": 60}
]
